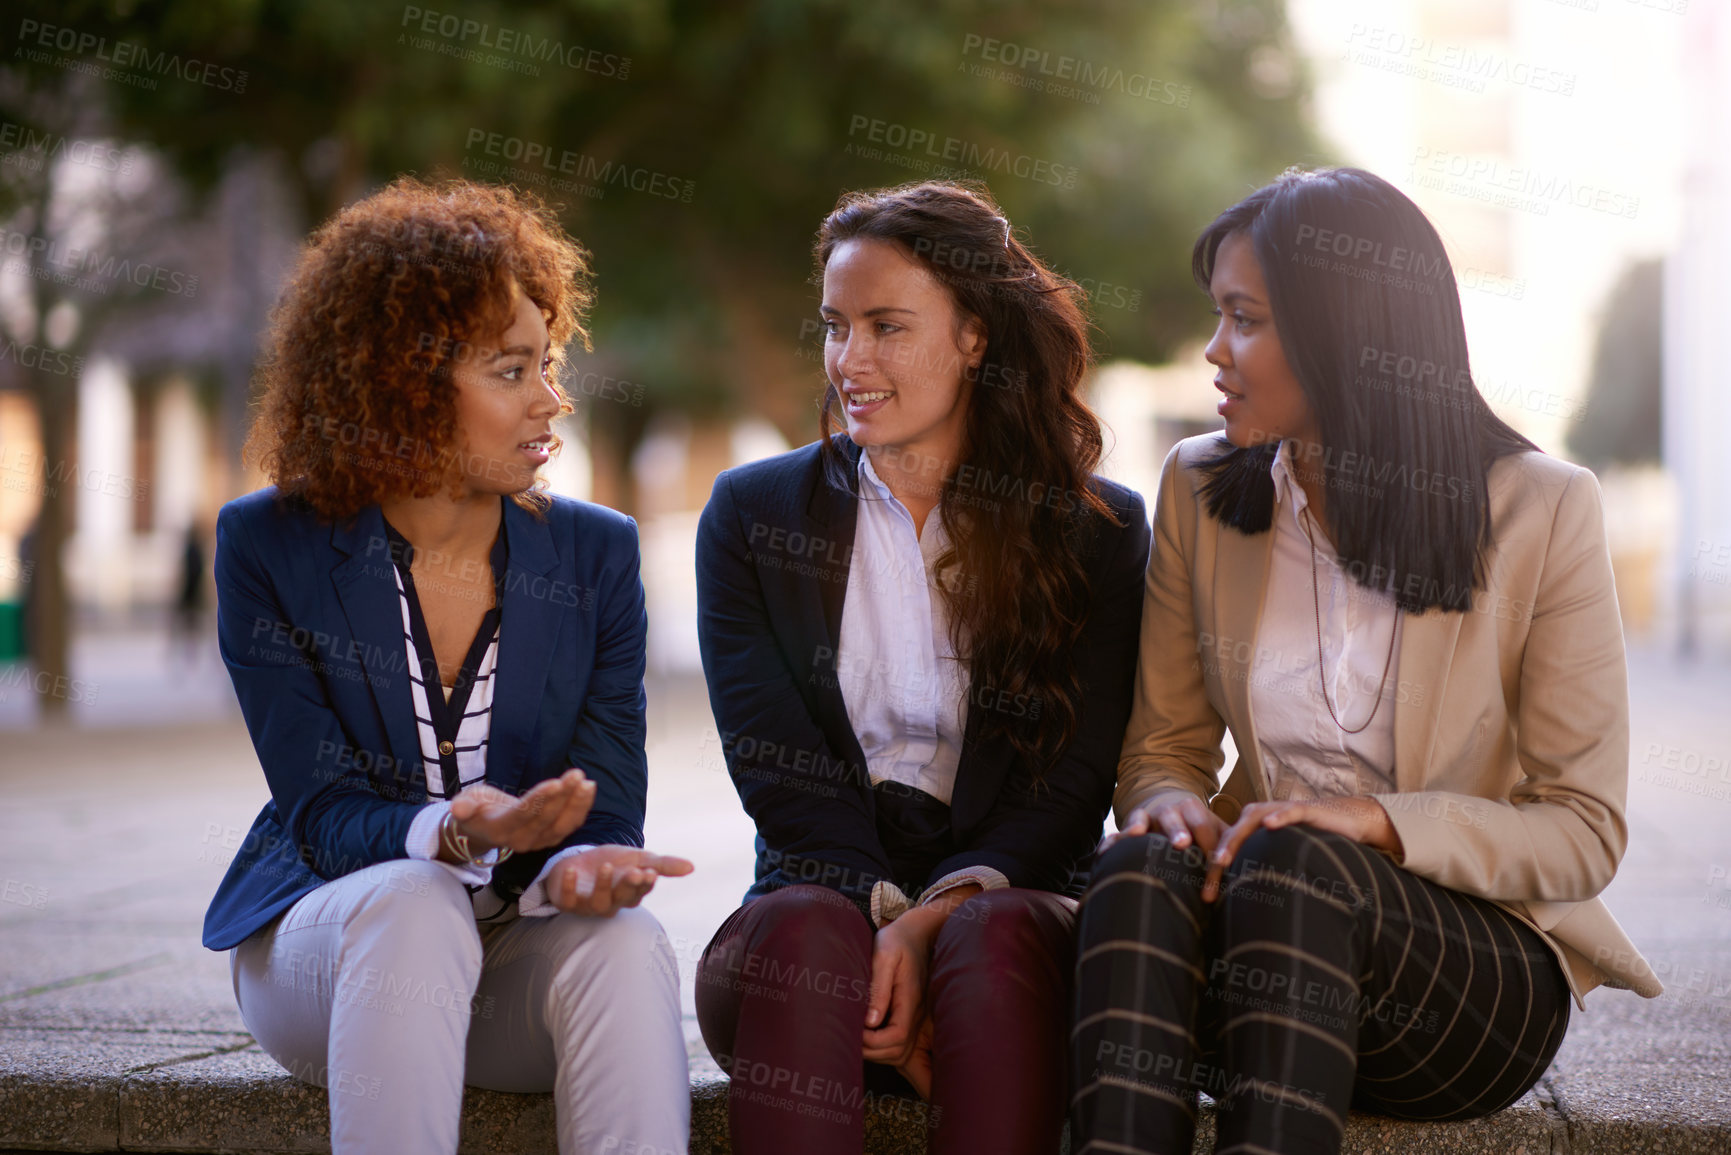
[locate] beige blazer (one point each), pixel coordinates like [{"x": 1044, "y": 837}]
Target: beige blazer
[{"x": 1511, "y": 720}]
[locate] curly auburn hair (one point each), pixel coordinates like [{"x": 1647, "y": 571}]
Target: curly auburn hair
[{"x": 357, "y": 403}]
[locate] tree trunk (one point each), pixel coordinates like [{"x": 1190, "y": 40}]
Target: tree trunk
[
  {"x": 50, "y": 624},
  {"x": 615, "y": 432}
]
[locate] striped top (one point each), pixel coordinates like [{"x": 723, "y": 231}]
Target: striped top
[
  {"x": 453, "y": 727},
  {"x": 453, "y": 724}
]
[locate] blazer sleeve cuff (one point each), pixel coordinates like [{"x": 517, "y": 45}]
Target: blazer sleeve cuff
[
  {"x": 534, "y": 902},
  {"x": 888, "y": 903},
  {"x": 422, "y": 844},
  {"x": 985, "y": 876}
]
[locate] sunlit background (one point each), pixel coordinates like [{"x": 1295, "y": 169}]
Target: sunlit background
[
  {"x": 160, "y": 162},
  {"x": 1571, "y": 153}
]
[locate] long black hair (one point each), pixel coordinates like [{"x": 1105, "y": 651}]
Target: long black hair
[{"x": 1364, "y": 299}]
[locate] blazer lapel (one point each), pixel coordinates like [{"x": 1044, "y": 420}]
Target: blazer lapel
[
  {"x": 1427, "y": 649},
  {"x": 1240, "y": 581},
  {"x": 834, "y": 513},
  {"x": 529, "y": 610},
  {"x": 367, "y": 589},
  {"x": 831, "y": 513}
]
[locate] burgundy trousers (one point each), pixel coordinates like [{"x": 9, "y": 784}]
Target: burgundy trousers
[{"x": 781, "y": 998}]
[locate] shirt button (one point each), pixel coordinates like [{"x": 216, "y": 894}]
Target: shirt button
[{"x": 446, "y": 748}]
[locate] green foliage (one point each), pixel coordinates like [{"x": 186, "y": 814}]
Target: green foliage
[{"x": 763, "y": 112}]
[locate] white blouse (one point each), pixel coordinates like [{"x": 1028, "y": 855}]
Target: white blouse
[
  {"x": 1304, "y": 753},
  {"x": 905, "y": 690}
]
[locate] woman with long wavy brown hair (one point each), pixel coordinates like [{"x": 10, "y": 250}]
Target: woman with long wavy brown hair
[{"x": 919, "y": 637}]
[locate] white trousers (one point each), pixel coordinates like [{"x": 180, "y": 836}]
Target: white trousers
[{"x": 380, "y": 987}]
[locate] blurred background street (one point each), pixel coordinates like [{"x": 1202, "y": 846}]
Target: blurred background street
[
  {"x": 1574, "y": 154},
  {"x": 1576, "y": 158},
  {"x": 114, "y": 844}
]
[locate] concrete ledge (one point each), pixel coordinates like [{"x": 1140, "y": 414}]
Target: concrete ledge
[
  {"x": 240, "y": 1101},
  {"x": 119, "y": 1032}
]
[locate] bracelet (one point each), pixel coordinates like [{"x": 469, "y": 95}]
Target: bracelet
[{"x": 455, "y": 841}]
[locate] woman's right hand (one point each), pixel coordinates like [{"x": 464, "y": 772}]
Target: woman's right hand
[
  {"x": 491, "y": 818},
  {"x": 1178, "y": 814}
]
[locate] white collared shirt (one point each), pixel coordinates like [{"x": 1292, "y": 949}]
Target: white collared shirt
[
  {"x": 1304, "y": 753},
  {"x": 905, "y": 690}
]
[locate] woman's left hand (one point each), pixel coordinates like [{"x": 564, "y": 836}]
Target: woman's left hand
[
  {"x": 901, "y": 960},
  {"x": 604, "y": 880},
  {"x": 1356, "y": 817}
]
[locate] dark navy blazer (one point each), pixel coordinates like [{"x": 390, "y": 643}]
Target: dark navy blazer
[
  {"x": 773, "y": 551},
  {"x": 311, "y": 631}
]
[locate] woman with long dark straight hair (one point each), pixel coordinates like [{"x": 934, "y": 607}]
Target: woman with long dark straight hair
[
  {"x": 1404, "y": 613},
  {"x": 919, "y": 635}
]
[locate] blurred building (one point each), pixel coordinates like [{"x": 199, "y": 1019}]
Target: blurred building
[
  {"x": 159, "y": 381},
  {"x": 1547, "y": 141},
  {"x": 1147, "y": 409},
  {"x": 1551, "y": 141},
  {"x": 674, "y": 468},
  {"x": 1697, "y": 303}
]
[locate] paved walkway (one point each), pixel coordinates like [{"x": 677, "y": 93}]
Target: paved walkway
[{"x": 114, "y": 836}]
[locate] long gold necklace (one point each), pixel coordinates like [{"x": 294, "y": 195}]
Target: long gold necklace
[{"x": 1321, "y": 667}]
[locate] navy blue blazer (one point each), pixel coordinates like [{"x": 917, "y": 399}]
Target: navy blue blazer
[
  {"x": 311, "y": 631},
  {"x": 773, "y": 551}
]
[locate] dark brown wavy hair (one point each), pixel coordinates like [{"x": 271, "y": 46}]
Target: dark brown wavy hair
[
  {"x": 357, "y": 403},
  {"x": 1020, "y": 507}
]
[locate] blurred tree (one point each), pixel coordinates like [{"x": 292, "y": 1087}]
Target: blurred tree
[
  {"x": 702, "y": 142},
  {"x": 79, "y": 224},
  {"x": 694, "y": 145},
  {"x": 1619, "y": 424}
]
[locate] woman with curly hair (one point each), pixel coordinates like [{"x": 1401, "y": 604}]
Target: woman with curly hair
[
  {"x": 441, "y": 667},
  {"x": 919, "y": 635},
  {"x": 1404, "y": 613}
]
